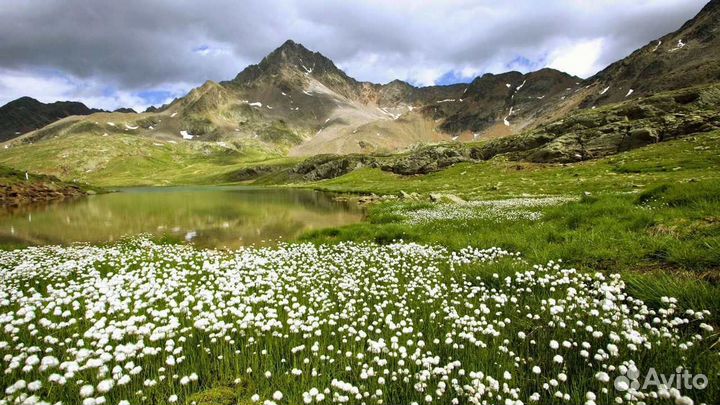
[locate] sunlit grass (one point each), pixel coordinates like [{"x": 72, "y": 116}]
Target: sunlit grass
[{"x": 126, "y": 160}]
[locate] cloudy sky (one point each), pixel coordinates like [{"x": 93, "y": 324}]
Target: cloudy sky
[{"x": 134, "y": 53}]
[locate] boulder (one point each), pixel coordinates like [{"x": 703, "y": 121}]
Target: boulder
[
  {"x": 409, "y": 196},
  {"x": 562, "y": 150},
  {"x": 453, "y": 198},
  {"x": 427, "y": 160},
  {"x": 638, "y": 137},
  {"x": 446, "y": 198},
  {"x": 324, "y": 167}
]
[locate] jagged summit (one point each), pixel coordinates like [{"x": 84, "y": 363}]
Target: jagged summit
[
  {"x": 398, "y": 83},
  {"x": 290, "y": 57},
  {"x": 498, "y": 104},
  {"x": 686, "y": 57},
  {"x": 293, "y": 53}
]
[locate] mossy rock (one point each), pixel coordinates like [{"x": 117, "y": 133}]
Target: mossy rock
[
  {"x": 224, "y": 392},
  {"x": 562, "y": 150},
  {"x": 428, "y": 159},
  {"x": 219, "y": 396},
  {"x": 639, "y": 137},
  {"x": 311, "y": 163},
  {"x": 84, "y": 127},
  {"x": 214, "y": 396},
  {"x": 198, "y": 125},
  {"x": 587, "y": 120}
]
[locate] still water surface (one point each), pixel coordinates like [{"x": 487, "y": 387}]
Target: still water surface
[{"x": 205, "y": 216}]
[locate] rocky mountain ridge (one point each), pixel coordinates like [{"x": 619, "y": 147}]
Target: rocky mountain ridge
[
  {"x": 298, "y": 102},
  {"x": 26, "y": 114}
]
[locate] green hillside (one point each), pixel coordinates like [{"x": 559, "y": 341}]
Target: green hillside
[
  {"x": 695, "y": 158},
  {"x": 128, "y": 160}
]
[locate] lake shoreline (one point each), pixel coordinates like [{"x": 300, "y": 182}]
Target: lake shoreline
[
  {"x": 205, "y": 216},
  {"x": 38, "y": 193},
  {"x": 19, "y": 189}
]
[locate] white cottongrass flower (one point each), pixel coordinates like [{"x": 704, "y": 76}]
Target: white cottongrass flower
[{"x": 383, "y": 321}]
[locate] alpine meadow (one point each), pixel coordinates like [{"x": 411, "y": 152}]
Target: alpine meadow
[{"x": 513, "y": 203}]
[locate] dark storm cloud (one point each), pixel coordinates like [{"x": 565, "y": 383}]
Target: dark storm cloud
[{"x": 111, "y": 51}]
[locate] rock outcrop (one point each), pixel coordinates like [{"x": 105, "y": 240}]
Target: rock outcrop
[
  {"x": 427, "y": 160},
  {"x": 591, "y": 134},
  {"x": 330, "y": 166},
  {"x": 584, "y": 135},
  {"x": 18, "y": 188}
]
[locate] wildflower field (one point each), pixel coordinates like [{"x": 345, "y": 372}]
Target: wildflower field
[
  {"x": 512, "y": 209},
  {"x": 356, "y": 323}
]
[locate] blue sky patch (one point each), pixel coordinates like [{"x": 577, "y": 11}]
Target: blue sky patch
[
  {"x": 155, "y": 97},
  {"x": 452, "y": 77}
]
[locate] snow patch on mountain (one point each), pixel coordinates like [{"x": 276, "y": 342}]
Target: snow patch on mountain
[{"x": 505, "y": 120}]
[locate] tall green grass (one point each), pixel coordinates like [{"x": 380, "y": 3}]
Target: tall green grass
[{"x": 672, "y": 229}]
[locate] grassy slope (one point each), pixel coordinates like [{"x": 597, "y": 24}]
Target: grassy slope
[
  {"x": 696, "y": 157},
  {"x": 10, "y": 176},
  {"x": 611, "y": 228},
  {"x": 652, "y": 214},
  {"x": 127, "y": 160}
]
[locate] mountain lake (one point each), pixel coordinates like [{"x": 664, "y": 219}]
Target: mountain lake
[{"x": 213, "y": 217}]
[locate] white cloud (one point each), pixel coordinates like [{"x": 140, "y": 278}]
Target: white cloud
[
  {"x": 46, "y": 88},
  {"x": 211, "y": 50},
  {"x": 578, "y": 58},
  {"x": 469, "y": 71},
  {"x": 51, "y": 87},
  {"x": 135, "y": 45},
  {"x": 424, "y": 76}
]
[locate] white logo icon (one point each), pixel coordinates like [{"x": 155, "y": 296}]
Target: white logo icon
[{"x": 682, "y": 379}]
